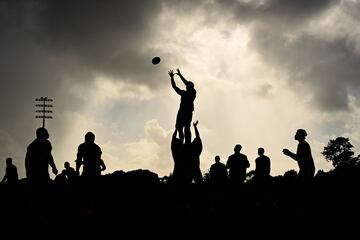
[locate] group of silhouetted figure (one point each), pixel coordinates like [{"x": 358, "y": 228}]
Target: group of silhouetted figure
[
  {"x": 185, "y": 152},
  {"x": 139, "y": 195},
  {"x": 39, "y": 157}
]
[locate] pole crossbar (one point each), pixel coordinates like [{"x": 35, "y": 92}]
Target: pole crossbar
[{"x": 43, "y": 105}]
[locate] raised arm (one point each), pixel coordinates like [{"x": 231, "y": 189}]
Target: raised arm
[
  {"x": 197, "y": 134},
  {"x": 181, "y": 77},
  {"x": 177, "y": 90}
]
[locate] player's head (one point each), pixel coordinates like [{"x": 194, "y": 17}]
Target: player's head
[
  {"x": 261, "y": 151},
  {"x": 89, "y": 137},
  {"x": 8, "y": 161},
  {"x": 300, "y": 134},
  {"x": 217, "y": 159},
  {"x": 66, "y": 165},
  {"x": 237, "y": 148},
  {"x": 42, "y": 133}
]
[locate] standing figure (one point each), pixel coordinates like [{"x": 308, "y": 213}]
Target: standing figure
[
  {"x": 39, "y": 157},
  {"x": 218, "y": 172},
  {"x": 184, "y": 115},
  {"x": 89, "y": 156},
  {"x": 237, "y": 164},
  {"x": 302, "y": 156},
  {"x": 262, "y": 169},
  {"x": 11, "y": 174}
]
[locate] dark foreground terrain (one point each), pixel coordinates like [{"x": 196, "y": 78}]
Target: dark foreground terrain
[{"x": 140, "y": 200}]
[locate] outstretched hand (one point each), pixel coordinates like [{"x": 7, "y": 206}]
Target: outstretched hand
[
  {"x": 178, "y": 72},
  {"x": 286, "y": 152},
  {"x": 196, "y": 123},
  {"x": 55, "y": 171},
  {"x": 171, "y": 73}
]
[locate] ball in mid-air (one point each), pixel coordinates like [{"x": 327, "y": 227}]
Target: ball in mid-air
[{"x": 155, "y": 60}]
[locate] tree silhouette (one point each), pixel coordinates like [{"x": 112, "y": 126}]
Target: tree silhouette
[
  {"x": 290, "y": 174},
  {"x": 339, "y": 153}
]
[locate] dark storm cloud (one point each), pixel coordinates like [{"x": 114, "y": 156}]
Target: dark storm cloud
[
  {"x": 45, "y": 45},
  {"x": 324, "y": 70},
  {"x": 320, "y": 69},
  {"x": 107, "y": 37},
  {"x": 46, "y": 40},
  {"x": 43, "y": 42}
]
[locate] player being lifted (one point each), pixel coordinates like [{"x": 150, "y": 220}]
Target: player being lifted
[{"x": 184, "y": 115}]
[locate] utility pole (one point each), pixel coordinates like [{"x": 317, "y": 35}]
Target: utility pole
[{"x": 43, "y": 107}]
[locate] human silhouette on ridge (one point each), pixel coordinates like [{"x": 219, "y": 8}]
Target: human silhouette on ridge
[
  {"x": 69, "y": 172},
  {"x": 218, "y": 172},
  {"x": 11, "y": 174},
  {"x": 237, "y": 164},
  {"x": 89, "y": 156},
  {"x": 303, "y": 156},
  {"x": 39, "y": 157},
  {"x": 263, "y": 166}
]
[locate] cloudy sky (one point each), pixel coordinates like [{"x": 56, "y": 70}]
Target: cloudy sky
[{"x": 262, "y": 69}]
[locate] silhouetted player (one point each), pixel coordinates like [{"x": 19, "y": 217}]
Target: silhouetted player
[
  {"x": 218, "y": 172},
  {"x": 11, "y": 174},
  {"x": 69, "y": 172},
  {"x": 262, "y": 170},
  {"x": 177, "y": 149},
  {"x": 302, "y": 156},
  {"x": 61, "y": 178},
  {"x": 184, "y": 115},
  {"x": 89, "y": 155},
  {"x": 196, "y": 149},
  {"x": 237, "y": 165},
  {"x": 39, "y": 157}
]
